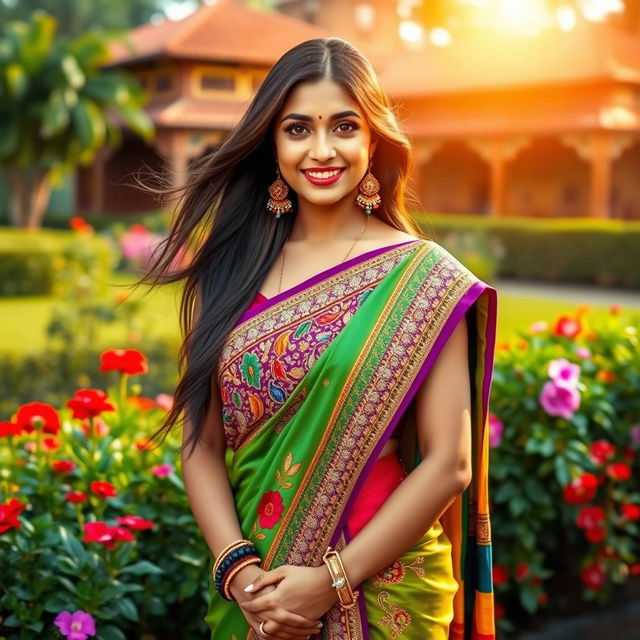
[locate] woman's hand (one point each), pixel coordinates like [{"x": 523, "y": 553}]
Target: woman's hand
[
  {"x": 285, "y": 625},
  {"x": 305, "y": 591}
]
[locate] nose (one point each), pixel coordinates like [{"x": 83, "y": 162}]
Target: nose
[{"x": 321, "y": 149}]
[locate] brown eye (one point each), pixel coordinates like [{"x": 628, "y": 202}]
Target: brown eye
[
  {"x": 352, "y": 126},
  {"x": 294, "y": 126}
]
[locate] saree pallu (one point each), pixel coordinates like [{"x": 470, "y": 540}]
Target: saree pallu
[{"x": 313, "y": 384}]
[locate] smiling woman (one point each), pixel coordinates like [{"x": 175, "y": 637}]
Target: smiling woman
[{"x": 336, "y": 409}]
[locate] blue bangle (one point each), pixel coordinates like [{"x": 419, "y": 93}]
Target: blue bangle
[{"x": 230, "y": 560}]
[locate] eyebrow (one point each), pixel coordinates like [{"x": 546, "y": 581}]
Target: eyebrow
[{"x": 335, "y": 116}]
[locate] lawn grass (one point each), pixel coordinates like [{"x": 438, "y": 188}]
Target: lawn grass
[{"x": 24, "y": 320}]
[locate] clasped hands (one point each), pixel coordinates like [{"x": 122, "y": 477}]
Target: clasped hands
[{"x": 290, "y": 600}]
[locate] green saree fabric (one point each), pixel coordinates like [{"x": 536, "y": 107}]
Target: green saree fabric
[{"x": 295, "y": 477}]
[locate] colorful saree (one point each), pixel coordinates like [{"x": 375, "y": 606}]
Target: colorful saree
[{"x": 313, "y": 382}]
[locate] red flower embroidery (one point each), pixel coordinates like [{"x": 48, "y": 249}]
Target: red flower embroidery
[
  {"x": 391, "y": 574},
  {"x": 38, "y": 414},
  {"x": 581, "y": 489},
  {"x": 270, "y": 509},
  {"x": 129, "y": 361},
  {"x": 401, "y": 618},
  {"x": 9, "y": 513},
  {"x": 89, "y": 402}
]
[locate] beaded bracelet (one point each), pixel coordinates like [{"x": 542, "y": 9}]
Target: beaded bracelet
[
  {"x": 227, "y": 550},
  {"x": 228, "y": 577},
  {"x": 230, "y": 559}
]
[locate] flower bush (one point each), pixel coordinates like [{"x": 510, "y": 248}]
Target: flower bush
[
  {"x": 565, "y": 488},
  {"x": 96, "y": 536}
]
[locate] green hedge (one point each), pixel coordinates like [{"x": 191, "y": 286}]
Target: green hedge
[
  {"x": 46, "y": 261},
  {"x": 583, "y": 250}
]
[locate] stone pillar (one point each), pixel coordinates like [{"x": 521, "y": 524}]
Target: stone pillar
[{"x": 600, "y": 184}]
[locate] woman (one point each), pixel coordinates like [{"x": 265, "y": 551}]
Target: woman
[{"x": 336, "y": 374}]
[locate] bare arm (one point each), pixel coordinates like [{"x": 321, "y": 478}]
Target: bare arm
[
  {"x": 211, "y": 501},
  {"x": 443, "y": 421}
]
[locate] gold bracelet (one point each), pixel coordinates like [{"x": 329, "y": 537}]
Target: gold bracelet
[
  {"x": 226, "y": 585},
  {"x": 340, "y": 581},
  {"x": 230, "y": 548}
]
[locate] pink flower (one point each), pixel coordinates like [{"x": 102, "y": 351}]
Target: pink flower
[
  {"x": 75, "y": 626},
  {"x": 564, "y": 373},
  {"x": 538, "y": 327},
  {"x": 162, "y": 470},
  {"x": 164, "y": 401},
  {"x": 496, "y": 429},
  {"x": 559, "y": 400},
  {"x": 583, "y": 352}
]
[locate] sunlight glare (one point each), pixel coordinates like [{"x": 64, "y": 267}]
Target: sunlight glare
[{"x": 566, "y": 17}]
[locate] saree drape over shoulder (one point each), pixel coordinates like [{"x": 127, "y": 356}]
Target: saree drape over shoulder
[{"x": 313, "y": 382}]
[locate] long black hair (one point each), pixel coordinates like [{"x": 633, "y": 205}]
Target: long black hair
[{"x": 221, "y": 214}]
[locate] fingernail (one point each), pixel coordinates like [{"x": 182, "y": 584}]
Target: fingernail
[{"x": 249, "y": 587}]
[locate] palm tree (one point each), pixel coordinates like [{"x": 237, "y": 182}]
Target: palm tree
[{"x": 57, "y": 109}]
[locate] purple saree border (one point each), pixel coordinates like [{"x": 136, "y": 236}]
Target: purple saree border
[
  {"x": 322, "y": 275},
  {"x": 464, "y": 304}
]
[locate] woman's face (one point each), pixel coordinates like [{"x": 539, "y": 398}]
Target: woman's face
[{"x": 323, "y": 142}]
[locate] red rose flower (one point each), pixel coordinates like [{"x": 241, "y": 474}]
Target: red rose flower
[
  {"x": 9, "y": 512},
  {"x": 595, "y": 534},
  {"x": 38, "y": 414},
  {"x": 619, "y": 471},
  {"x": 630, "y": 511},
  {"x": 522, "y": 571},
  {"x": 590, "y": 517},
  {"x": 135, "y": 522},
  {"x": 500, "y": 574},
  {"x": 593, "y": 577},
  {"x": 87, "y": 403},
  {"x": 63, "y": 466},
  {"x": 9, "y": 429},
  {"x": 75, "y": 496},
  {"x": 99, "y": 532},
  {"x": 580, "y": 490},
  {"x": 103, "y": 489},
  {"x": 270, "y": 509},
  {"x": 121, "y": 534},
  {"x": 128, "y": 361},
  {"x": 567, "y": 327},
  {"x": 601, "y": 451}
]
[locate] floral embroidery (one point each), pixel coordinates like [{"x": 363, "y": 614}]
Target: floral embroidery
[
  {"x": 396, "y": 619},
  {"x": 271, "y": 505},
  {"x": 270, "y": 509},
  {"x": 251, "y": 369},
  {"x": 396, "y": 571}
]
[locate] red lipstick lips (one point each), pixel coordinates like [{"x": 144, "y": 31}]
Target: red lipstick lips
[{"x": 334, "y": 175}]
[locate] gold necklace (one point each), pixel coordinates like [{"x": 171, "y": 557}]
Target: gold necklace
[{"x": 364, "y": 228}]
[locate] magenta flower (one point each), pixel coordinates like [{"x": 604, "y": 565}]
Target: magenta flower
[
  {"x": 564, "y": 373},
  {"x": 75, "y": 626},
  {"x": 559, "y": 400},
  {"x": 162, "y": 470},
  {"x": 495, "y": 430},
  {"x": 635, "y": 433}
]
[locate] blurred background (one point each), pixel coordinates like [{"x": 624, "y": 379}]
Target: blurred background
[{"x": 525, "y": 120}]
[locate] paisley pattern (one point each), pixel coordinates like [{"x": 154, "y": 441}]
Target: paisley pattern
[{"x": 258, "y": 379}]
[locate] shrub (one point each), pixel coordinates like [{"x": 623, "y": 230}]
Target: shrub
[{"x": 565, "y": 435}]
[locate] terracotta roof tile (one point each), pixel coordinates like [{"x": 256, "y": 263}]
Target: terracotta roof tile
[
  {"x": 201, "y": 114},
  {"x": 225, "y": 31}
]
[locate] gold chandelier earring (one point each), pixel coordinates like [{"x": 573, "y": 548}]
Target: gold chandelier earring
[
  {"x": 368, "y": 197},
  {"x": 278, "y": 202}
]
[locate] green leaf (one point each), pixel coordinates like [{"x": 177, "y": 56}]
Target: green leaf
[
  {"x": 55, "y": 115},
  {"x": 137, "y": 120},
  {"x": 127, "y": 608},
  {"x": 89, "y": 124},
  {"x": 109, "y": 632},
  {"x": 143, "y": 567},
  {"x": 72, "y": 545}
]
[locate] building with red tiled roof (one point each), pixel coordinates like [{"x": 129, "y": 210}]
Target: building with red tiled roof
[{"x": 545, "y": 126}]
